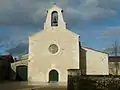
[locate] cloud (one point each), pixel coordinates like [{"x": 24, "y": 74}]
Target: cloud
[
  {"x": 109, "y": 32},
  {"x": 112, "y": 31},
  {"x": 16, "y": 14},
  {"x": 21, "y": 12},
  {"x": 15, "y": 36},
  {"x": 109, "y": 4},
  {"x": 32, "y": 12},
  {"x": 90, "y": 10}
]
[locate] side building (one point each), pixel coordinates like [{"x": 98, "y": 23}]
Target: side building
[
  {"x": 5, "y": 67},
  {"x": 114, "y": 65}
]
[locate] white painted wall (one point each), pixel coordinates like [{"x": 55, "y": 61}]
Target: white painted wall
[
  {"x": 96, "y": 62},
  {"x": 42, "y": 61}
]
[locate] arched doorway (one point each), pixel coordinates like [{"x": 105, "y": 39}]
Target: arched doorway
[
  {"x": 21, "y": 73},
  {"x": 53, "y": 76}
]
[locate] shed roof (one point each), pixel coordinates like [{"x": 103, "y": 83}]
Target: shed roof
[{"x": 94, "y": 50}]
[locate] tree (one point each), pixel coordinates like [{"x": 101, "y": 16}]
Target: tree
[{"x": 115, "y": 51}]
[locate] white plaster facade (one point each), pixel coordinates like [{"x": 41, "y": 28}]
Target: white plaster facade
[
  {"x": 96, "y": 62},
  {"x": 42, "y": 61}
]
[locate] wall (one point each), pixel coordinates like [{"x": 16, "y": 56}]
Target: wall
[
  {"x": 114, "y": 65},
  {"x": 96, "y": 62},
  {"x": 42, "y": 61},
  {"x": 4, "y": 69},
  {"x": 16, "y": 64},
  {"x": 114, "y": 68},
  {"x": 93, "y": 82}
]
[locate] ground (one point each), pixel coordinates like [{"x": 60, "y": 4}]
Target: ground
[{"x": 25, "y": 86}]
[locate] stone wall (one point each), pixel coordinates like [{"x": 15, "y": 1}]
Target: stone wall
[{"x": 93, "y": 82}]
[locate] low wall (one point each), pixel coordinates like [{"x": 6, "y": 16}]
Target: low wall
[{"x": 93, "y": 82}]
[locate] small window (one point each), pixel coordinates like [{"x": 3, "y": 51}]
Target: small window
[{"x": 54, "y": 18}]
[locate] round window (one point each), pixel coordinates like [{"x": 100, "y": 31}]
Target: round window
[{"x": 53, "y": 48}]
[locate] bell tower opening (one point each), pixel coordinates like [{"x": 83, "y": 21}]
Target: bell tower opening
[{"x": 54, "y": 18}]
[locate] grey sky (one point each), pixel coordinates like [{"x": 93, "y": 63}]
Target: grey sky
[{"x": 16, "y": 15}]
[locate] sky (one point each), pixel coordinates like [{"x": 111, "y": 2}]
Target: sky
[{"x": 96, "y": 21}]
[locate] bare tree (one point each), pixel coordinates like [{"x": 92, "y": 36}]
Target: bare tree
[
  {"x": 115, "y": 51},
  {"x": 115, "y": 48}
]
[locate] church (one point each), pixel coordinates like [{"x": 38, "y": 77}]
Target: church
[{"x": 55, "y": 49}]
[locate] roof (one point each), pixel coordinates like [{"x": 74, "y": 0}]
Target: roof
[
  {"x": 24, "y": 57},
  {"x": 114, "y": 58},
  {"x": 95, "y": 50}
]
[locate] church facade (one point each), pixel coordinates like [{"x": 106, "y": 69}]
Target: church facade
[{"x": 56, "y": 49}]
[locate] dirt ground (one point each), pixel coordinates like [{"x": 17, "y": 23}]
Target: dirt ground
[
  {"x": 46, "y": 88},
  {"x": 25, "y": 86}
]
